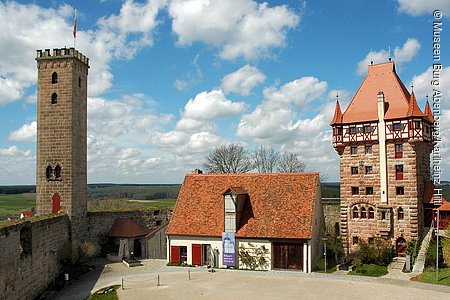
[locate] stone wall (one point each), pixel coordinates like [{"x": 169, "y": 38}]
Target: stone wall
[
  {"x": 31, "y": 255},
  {"x": 385, "y": 220},
  {"x": 332, "y": 213},
  {"x": 101, "y": 222}
]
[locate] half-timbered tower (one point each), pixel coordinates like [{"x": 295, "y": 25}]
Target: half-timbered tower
[{"x": 384, "y": 141}]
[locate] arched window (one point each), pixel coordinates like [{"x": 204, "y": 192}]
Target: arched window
[
  {"x": 355, "y": 212},
  {"x": 401, "y": 213},
  {"x": 58, "y": 172},
  {"x": 54, "y": 78},
  {"x": 79, "y": 81},
  {"x": 54, "y": 98},
  {"x": 49, "y": 173},
  {"x": 363, "y": 213},
  {"x": 371, "y": 213}
]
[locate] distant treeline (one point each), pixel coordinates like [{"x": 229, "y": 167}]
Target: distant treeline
[
  {"x": 17, "y": 189},
  {"x": 133, "y": 191},
  {"x": 98, "y": 191}
]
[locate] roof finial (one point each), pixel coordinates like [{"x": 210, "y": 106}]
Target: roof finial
[
  {"x": 370, "y": 55},
  {"x": 390, "y": 53},
  {"x": 412, "y": 88},
  {"x": 426, "y": 96},
  {"x": 337, "y": 96}
]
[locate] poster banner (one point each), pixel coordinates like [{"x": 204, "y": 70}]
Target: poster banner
[{"x": 228, "y": 249}]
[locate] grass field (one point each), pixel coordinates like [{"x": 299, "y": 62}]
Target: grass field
[
  {"x": 11, "y": 205},
  {"x": 371, "y": 270},
  {"x": 429, "y": 276}
]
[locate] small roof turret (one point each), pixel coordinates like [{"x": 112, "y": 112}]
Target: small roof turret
[
  {"x": 337, "y": 119},
  {"x": 428, "y": 112},
  {"x": 413, "y": 108}
]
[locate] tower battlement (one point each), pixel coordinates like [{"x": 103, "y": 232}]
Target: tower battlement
[{"x": 61, "y": 53}]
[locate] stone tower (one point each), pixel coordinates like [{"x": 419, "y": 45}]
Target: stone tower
[
  {"x": 384, "y": 141},
  {"x": 61, "y": 171}
]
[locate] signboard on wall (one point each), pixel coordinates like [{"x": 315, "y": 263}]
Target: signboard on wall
[{"x": 228, "y": 249}]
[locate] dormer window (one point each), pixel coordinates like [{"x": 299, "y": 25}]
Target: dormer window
[{"x": 234, "y": 203}]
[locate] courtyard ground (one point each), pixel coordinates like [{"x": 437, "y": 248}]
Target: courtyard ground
[{"x": 141, "y": 283}]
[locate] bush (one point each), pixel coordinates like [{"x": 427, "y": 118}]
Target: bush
[
  {"x": 379, "y": 253},
  {"x": 86, "y": 250}
]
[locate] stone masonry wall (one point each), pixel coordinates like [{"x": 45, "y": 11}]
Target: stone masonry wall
[
  {"x": 101, "y": 222},
  {"x": 31, "y": 256},
  {"x": 415, "y": 164},
  {"x": 332, "y": 213}
]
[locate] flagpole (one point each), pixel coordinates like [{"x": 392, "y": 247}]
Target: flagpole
[{"x": 75, "y": 29}]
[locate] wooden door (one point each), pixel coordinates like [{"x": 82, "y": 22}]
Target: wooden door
[
  {"x": 175, "y": 254},
  {"x": 56, "y": 203},
  {"x": 196, "y": 254},
  {"x": 287, "y": 256},
  {"x": 401, "y": 246}
]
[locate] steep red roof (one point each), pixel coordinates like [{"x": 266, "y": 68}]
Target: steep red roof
[
  {"x": 428, "y": 112},
  {"x": 337, "y": 119},
  {"x": 126, "y": 228},
  {"x": 413, "y": 108},
  {"x": 380, "y": 77},
  {"x": 279, "y": 205}
]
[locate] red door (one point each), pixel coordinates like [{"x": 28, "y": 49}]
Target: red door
[
  {"x": 175, "y": 254},
  {"x": 56, "y": 201},
  {"x": 401, "y": 246},
  {"x": 196, "y": 254}
]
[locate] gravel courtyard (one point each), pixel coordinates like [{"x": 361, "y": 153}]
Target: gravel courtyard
[{"x": 141, "y": 283}]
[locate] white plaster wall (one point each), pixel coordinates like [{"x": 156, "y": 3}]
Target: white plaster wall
[
  {"x": 251, "y": 244},
  {"x": 215, "y": 242}
]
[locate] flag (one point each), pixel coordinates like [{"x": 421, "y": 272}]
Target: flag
[{"x": 75, "y": 25}]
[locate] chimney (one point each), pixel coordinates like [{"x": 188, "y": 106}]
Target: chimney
[
  {"x": 197, "y": 172},
  {"x": 382, "y": 143}
]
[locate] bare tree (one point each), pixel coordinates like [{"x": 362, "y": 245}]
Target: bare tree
[
  {"x": 265, "y": 159},
  {"x": 231, "y": 158},
  {"x": 290, "y": 163}
]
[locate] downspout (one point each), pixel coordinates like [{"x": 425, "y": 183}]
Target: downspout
[{"x": 382, "y": 143}]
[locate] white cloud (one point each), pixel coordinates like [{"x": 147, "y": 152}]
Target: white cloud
[
  {"x": 16, "y": 165},
  {"x": 26, "y": 133},
  {"x": 421, "y": 7},
  {"x": 300, "y": 92},
  {"x": 401, "y": 55},
  {"x": 212, "y": 105},
  {"x": 30, "y": 26},
  {"x": 243, "y": 80},
  {"x": 276, "y": 119},
  {"x": 250, "y": 31},
  {"x": 422, "y": 85}
]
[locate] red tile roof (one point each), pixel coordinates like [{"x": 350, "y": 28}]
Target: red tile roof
[
  {"x": 126, "y": 228},
  {"x": 413, "y": 108},
  {"x": 280, "y": 205},
  {"x": 445, "y": 205},
  {"x": 428, "y": 112},
  {"x": 337, "y": 119},
  {"x": 381, "y": 77}
]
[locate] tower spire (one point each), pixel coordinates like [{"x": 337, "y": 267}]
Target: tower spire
[{"x": 337, "y": 119}]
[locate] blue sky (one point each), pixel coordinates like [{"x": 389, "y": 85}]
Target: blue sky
[{"x": 170, "y": 79}]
